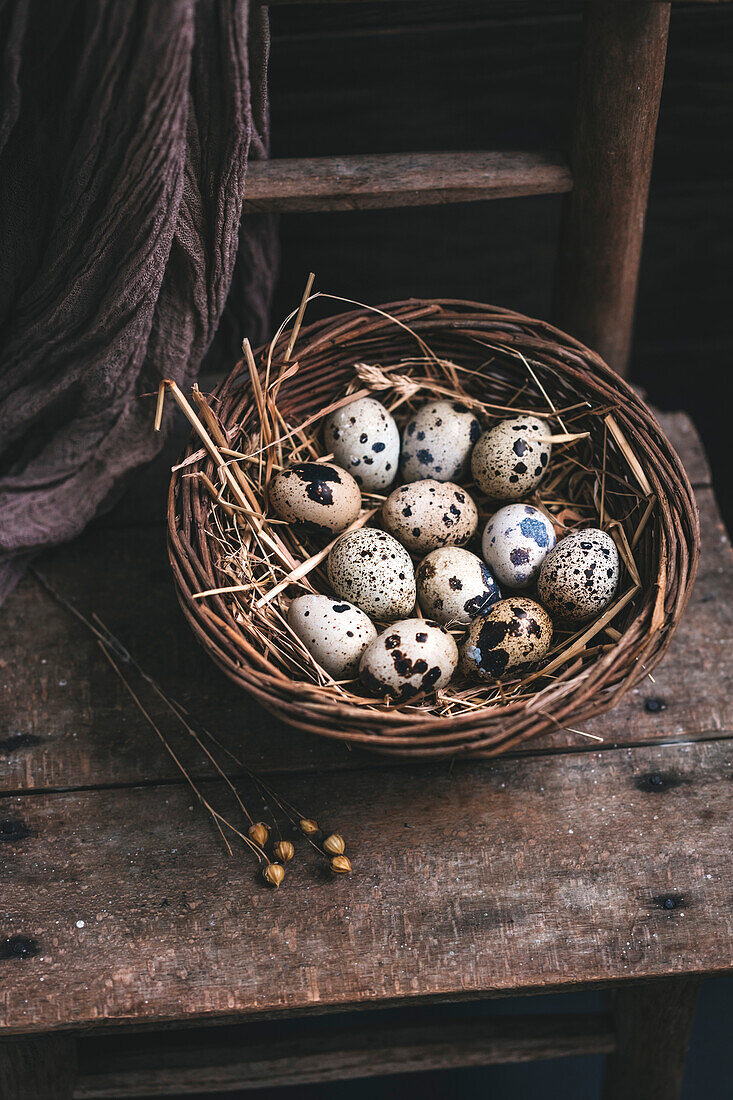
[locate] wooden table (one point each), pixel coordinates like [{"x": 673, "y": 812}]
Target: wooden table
[{"x": 570, "y": 864}]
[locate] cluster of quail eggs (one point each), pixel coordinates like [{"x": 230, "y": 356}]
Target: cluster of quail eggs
[{"x": 500, "y": 603}]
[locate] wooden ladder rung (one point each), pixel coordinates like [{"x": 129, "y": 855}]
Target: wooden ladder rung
[
  {"x": 337, "y": 1055},
  {"x": 402, "y": 179}
]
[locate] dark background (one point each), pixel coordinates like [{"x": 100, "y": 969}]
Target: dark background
[{"x": 368, "y": 78}]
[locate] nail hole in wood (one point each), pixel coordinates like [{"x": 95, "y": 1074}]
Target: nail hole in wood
[{"x": 18, "y": 947}]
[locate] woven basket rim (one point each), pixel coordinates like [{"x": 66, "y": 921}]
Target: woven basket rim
[{"x": 674, "y": 524}]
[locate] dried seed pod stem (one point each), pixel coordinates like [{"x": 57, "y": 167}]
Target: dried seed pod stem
[
  {"x": 115, "y": 651},
  {"x": 219, "y": 819}
]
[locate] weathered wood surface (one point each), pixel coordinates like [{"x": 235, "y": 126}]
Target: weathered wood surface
[
  {"x": 497, "y": 878},
  {"x": 621, "y": 73},
  {"x": 66, "y": 722},
  {"x": 339, "y": 1054},
  {"x": 504, "y": 6},
  {"x": 653, "y": 1028},
  {"x": 410, "y": 179}
]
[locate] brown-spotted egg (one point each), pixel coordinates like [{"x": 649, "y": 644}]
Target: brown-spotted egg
[
  {"x": 515, "y": 542},
  {"x": 579, "y": 578},
  {"x": 516, "y": 633},
  {"x": 455, "y": 586},
  {"x": 510, "y": 459},
  {"x": 317, "y": 494},
  {"x": 426, "y": 514},
  {"x": 334, "y": 632},
  {"x": 365, "y": 440},
  {"x": 371, "y": 569},
  {"x": 409, "y": 657},
  {"x": 437, "y": 441}
]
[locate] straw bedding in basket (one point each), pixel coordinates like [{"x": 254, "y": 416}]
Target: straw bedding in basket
[{"x": 236, "y": 566}]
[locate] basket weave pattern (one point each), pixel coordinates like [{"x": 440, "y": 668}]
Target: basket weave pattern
[{"x": 500, "y": 354}]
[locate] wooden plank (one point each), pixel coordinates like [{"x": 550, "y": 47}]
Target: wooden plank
[
  {"x": 410, "y": 179},
  {"x": 501, "y": 4},
  {"x": 653, "y": 1026},
  {"x": 339, "y": 1055},
  {"x": 621, "y": 73},
  {"x": 66, "y": 722},
  {"x": 38, "y": 1069},
  {"x": 517, "y": 876}
]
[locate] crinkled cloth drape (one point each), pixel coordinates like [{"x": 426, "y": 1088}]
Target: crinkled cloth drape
[{"x": 125, "y": 130}]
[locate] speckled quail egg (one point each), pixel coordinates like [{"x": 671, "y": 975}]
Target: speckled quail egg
[
  {"x": 371, "y": 569},
  {"x": 426, "y": 514},
  {"x": 516, "y": 632},
  {"x": 365, "y": 441},
  {"x": 334, "y": 632},
  {"x": 317, "y": 494},
  {"x": 578, "y": 579},
  {"x": 411, "y": 656},
  {"x": 437, "y": 441},
  {"x": 515, "y": 542},
  {"x": 509, "y": 461},
  {"x": 455, "y": 586}
]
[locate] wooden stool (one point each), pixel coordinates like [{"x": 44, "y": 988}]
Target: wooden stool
[
  {"x": 567, "y": 865},
  {"x": 556, "y": 867}
]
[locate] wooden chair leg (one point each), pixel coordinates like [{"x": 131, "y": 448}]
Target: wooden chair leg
[
  {"x": 621, "y": 73},
  {"x": 653, "y": 1025},
  {"x": 38, "y": 1069}
]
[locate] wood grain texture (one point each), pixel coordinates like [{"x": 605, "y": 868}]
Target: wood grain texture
[
  {"x": 653, "y": 1025},
  {"x": 38, "y": 1069},
  {"x": 412, "y": 179},
  {"x": 66, "y": 722},
  {"x": 621, "y": 73},
  {"x": 495, "y": 879},
  {"x": 521, "y": 6},
  {"x": 340, "y": 1054}
]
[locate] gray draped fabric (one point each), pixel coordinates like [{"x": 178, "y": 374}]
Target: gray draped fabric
[{"x": 125, "y": 130}]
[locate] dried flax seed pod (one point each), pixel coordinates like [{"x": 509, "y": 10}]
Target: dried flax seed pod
[
  {"x": 273, "y": 873},
  {"x": 334, "y": 845},
  {"x": 341, "y": 865},
  {"x": 258, "y": 833}
]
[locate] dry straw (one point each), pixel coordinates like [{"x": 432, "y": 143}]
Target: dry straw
[{"x": 237, "y": 568}]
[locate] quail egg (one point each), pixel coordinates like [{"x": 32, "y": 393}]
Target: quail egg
[
  {"x": 427, "y": 514},
  {"x": 515, "y": 633},
  {"x": 411, "y": 656},
  {"x": 371, "y": 569},
  {"x": 509, "y": 460},
  {"x": 515, "y": 542},
  {"x": 579, "y": 578},
  {"x": 365, "y": 440},
  {"x": 455, "y": 586},
  {"x": 318, "y": 494},
  {"x": 437, "y": 441},
  {"x": 334, "y": 632}
]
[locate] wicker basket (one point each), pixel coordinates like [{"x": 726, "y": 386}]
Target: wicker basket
[{"x": 492, "y": 355}]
